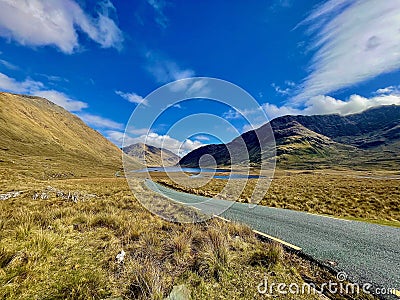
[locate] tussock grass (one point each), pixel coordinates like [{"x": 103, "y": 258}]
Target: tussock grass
[
  {"x": 147, "y": 280},
  {"x": 214, "y": 255},
  {"x": 59, "y": 249},
  {"x": 267, "y": 256}
]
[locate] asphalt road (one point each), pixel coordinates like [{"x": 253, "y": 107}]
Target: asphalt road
[{"x": 367, "y": 253}]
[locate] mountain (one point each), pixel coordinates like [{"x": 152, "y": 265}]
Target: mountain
[
  {"x": 150, "y": 155},
  {"x": 373, "y": 127},
  {"x": 369, "y": 138},
  {"x": 41, "y": 139}
]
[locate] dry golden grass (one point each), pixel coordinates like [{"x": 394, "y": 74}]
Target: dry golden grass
[
  {"x": 65, "y": 248},
  {"x": 60, "y": 248},
  {"x": 343, "y": 194}
]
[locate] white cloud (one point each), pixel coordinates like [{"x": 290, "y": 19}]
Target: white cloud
[
  {"x": 290, "y": 83},
  {"x": 62, "y": 100},
  {"x": 286, "y": 90},
  {"x": 132, "y": 97},
  {"x": 199, "y": 87},
  {"x": 202, "y": 138},
  {"x": 231, "y": 115},
  {"x": 387, "y": 90},
  {"x": 41, "y": 23},
  {"x": 329, "y": 105},
  {"x": 138, "y": 131},
  {"x": 158, "y": 6},
  {"x": 164, "y": 70},
  {"x": 53, "y": 78},
  {"x": 12, "y": 85},
  {"x": 100, "y": 122},
  {"x": 354, "y": 40},
  {"x": 161, "y": 141},
  {"x": 192, "y": 88},
  {"x": 319, "y": 105},
  {"x": 280, "y": 90},
  {"x": 115, "y": 136},
  {"x": 8, "y": 65},
  {"x": 273, "y": 111},
  {"x": 37, "y": 88},
  {"x": 238, "y": 114}
]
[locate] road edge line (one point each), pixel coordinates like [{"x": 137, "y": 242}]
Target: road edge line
[
  {"x": 326, "y": 216},
  {"x": 264, "y": 235},
  {"x": 293, "y": 247},
  {"x": 221, "y": 218},
  {"x": 396, "y": 293}
]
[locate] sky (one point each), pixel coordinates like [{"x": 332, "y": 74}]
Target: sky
[{"x": 102, "y": 59}]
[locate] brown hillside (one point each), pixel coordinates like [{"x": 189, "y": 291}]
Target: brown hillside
[
  {"x": 41, "y": 139},
  {"x": 151, "y": 156}
]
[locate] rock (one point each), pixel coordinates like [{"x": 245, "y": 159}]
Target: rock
[
  {"x": 179, "y": 292},
  {"x": 120, "y": 257},
  {"x": 9, "y": 195}
]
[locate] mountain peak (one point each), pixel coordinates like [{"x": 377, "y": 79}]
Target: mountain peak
[
  {"x": 151, "y": 155},
  {"x": 372, "y": 136}
]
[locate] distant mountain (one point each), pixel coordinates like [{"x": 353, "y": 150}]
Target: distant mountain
[
  {"x": 41, "y": 139},
  {"x": 370, "y": 138},
  {"x": 373, "y": 127},
  {"x": 150, "y": 155}
]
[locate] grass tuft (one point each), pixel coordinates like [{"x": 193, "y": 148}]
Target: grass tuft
[
  {"x": 214, "y": 255},
  {"x": 268, "y": 256},
  {"x": 147, "y": 281}
]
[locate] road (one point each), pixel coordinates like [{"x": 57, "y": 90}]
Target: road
[{"x": 367, "y": 253}]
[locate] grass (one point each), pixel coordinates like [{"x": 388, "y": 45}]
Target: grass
[
  {"x": 343, "y": 194},
  {"x": 56, "y": 248}
]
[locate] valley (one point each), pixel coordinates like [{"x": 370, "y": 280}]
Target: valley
[
  {"x": 66, "y": 219},
  {"x": 199, "y": 150},
  {"x": 66, "y": 216}
]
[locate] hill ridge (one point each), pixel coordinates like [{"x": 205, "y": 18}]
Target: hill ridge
[
  {"x": 151, "y": 155},
  {"x": 372, "y": 135},
  {"x": 41, "y": 139}
]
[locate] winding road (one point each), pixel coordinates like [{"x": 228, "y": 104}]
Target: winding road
[{"x": 367, "y": 253}]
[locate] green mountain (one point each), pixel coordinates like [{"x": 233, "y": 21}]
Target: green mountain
[{"x": 367, "y": 139}]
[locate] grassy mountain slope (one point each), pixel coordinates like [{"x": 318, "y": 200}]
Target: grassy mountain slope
[
  {"x": 371, "y": 138},
  {"x": 41, "y": 139},
  {"x": 373, "y": 127},
  {"x": 150, "y": 155}
]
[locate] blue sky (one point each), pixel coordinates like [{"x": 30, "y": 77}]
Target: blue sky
[{"x": 99, "y": 59}]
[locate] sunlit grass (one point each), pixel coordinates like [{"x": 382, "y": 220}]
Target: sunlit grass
[
  {"x": 56, "y": 248},
  {"x": 341, "y": 194}
]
